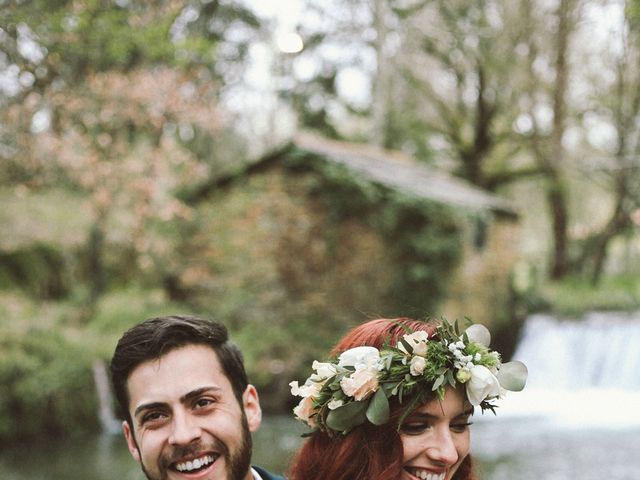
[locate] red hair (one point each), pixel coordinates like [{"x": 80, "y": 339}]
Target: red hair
[{"x": 368, "y": 452}]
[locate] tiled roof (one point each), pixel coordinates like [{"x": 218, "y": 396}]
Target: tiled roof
[{"x": 401, "y": 172}]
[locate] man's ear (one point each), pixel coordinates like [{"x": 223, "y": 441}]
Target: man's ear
[
  {"x": 251, "y": 405},
  {"x": 131, "y": 441}
]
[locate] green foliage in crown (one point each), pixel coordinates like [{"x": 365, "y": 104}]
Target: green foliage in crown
[{"x": 357, "y": 386}]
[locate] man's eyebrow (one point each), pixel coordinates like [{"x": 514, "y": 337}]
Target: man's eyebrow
[
  {"x": 184, "y": 399},
  {"x": 197, "y": 392}
]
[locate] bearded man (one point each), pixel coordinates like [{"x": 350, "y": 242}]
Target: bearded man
[{"x": 188, "y": 407}]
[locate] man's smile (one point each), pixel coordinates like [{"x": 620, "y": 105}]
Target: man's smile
[{"x": 195, "y": 465}]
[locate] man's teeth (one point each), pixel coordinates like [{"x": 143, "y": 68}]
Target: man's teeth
[
  {"x": 195, "y": 464},
  {"x": 424, "y": 475}
]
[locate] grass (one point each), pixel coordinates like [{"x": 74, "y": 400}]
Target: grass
[{"x": 573, "y": 296}]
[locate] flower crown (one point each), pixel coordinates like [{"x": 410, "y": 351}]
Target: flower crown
[{"x": 357, "y": 386}]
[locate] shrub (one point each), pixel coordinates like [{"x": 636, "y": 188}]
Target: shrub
[{"x": 44, "y": 379}]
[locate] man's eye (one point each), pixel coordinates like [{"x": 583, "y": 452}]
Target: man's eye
[
  {"x": 204, "y": 402},
  {"x": 153, "y": 417}
]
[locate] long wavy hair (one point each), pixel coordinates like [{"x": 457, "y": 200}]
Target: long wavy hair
[{"x": 368, "y": 451}]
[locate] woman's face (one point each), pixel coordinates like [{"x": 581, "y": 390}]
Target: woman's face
[{"x": 435, "y": 438}]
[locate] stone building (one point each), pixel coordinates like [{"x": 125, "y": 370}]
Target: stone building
[{"x": 344, "y": 232}]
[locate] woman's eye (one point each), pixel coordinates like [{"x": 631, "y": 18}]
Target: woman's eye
[
  {"x": 413, "y": 428},
  {"x": 460, "y": 427}
]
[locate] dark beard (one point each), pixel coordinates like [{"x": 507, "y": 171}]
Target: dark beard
[{"x": 237, "y": 464}]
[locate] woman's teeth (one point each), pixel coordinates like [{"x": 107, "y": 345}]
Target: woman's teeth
[{"x": 425, "y": 475}]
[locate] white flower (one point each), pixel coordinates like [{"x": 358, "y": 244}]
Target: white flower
[
  {"x": 360, "y": 384},
  {"x": 482, "y": 385},
  {"x": 295, "y": 389},
  {"x": 323, "y": 370},
  {"x": 418, "y": 341},
  {"x": 479, "y": 334},
  {"x": 359, "y": 358},
  {"x": 513, "y": 376},
  {"x": 333, "y": 404},
  {"x": 416, "y": 367},
  {"x": 456, "y": 348},
  {"x": 309, "y": 389}
]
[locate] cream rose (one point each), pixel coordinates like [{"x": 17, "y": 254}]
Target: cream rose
[
  {"x": 418, "y": 341},
  {"x": 360, "y": 384},
  {"x": 417, "y": 365},
  {"x": 304, "y": 410}
]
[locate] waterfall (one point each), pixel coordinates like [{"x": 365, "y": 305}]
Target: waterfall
[
  {"x": 584, "y": 371},
  {"x": 110, "y": 424},
  {"x": 600, "y": 351}
]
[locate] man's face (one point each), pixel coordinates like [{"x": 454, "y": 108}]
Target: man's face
[{"x": 187, "y": 423}]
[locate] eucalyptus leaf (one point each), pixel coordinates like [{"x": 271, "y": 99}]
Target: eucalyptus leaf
[
  {"x": 390, "y": 388},
  {"x": 407, "y": 345},
  {"x": 378, "y": 410},
  {"x": 344, "y": 418},
  {"x": 450, "y": 379}
]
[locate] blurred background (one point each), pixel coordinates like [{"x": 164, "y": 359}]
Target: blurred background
[{"x": 294, "y": 168}]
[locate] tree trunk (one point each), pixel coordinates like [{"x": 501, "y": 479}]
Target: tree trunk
[
  {"x": 557, "y": 203},
  {"x": 482, "y": 141},
  {"x": 556, "y": 183},
  {"x": 96, "y": 273},
  {"x": 381, "y": 85}
]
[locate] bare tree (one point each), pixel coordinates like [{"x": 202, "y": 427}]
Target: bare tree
[
  {"x": 546, "y": 146},
  {"x": 621, "y": 171}
]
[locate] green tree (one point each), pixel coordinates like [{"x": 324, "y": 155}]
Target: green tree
[{"x": 113, "y": 99}]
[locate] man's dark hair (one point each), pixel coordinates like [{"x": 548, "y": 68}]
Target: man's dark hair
[{"x": 156, "y": 337}]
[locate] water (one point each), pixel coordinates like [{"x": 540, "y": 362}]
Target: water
[
  {"x": 539, "y": 449},
  {"x": 577, "y": 418},
  {"x": 505, "y": 449}
]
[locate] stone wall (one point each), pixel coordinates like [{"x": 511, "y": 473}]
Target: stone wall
[{"x": 480, "y": 288}]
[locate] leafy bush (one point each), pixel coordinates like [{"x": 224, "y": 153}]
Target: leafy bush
[
  {"x": 46, "y": 382},
  {"x": 39, "y": 269}
]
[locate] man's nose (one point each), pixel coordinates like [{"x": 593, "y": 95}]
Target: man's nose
[{"x": 184, "y": 429}]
